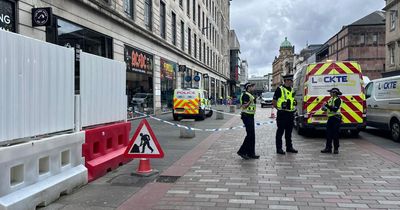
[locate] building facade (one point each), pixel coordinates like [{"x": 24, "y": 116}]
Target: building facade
[
  {"x": 153, "y": 37},
  {"x": 392, "y": 9},
  {"x": 261, "y": 84},
  {"x": 235, "y": 64},
  {"x": 283, "y": 64},
  {"x": 244, "y": 72},
  {"x": 362, "y": 41}
]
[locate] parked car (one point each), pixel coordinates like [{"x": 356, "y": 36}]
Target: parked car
[
  {"x": 383, "y": 105},
  {"x": 266, "y": 99},
  {"x": 142, "y": 100}
]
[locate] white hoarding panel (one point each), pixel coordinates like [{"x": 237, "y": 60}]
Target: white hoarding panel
[
  {"x": 36, "y": 87},
  {"x": 102, "y": 90}
]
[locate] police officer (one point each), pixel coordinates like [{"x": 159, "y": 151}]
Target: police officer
[
  {"x": 284, "y": 102},
  {"x": 334, "y": 119},
  {"x": 248, "y": 105}
]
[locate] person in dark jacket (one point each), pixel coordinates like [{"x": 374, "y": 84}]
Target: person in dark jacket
[
  {"x": 334, "y": 119},
  {"x": 248, "y": 105}
]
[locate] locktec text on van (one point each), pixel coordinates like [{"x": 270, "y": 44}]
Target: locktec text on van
[
  {"x": 311, "y": 85},
  {"x": 191, "y": 104},
  {"x": 383, "y": 105}
]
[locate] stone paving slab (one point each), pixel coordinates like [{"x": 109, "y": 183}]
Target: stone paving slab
[{"x": 355, "y": 179}]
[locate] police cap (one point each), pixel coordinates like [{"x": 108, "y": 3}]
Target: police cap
[
  {"x": 335, "y": 90},
  {"x": 288, "y": 77},
  {"x": 248, "y": 84}
]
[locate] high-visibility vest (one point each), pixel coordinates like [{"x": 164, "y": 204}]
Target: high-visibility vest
[
  {"x": 331, "y": 103},
  {"x": 251, "y": 109},
  {"x": 286, "y": 95}
]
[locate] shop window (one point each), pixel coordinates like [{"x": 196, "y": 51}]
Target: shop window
[
  {"x": 68, "y": 34},
  {"x": 168, "y": 83},
  {"x": 7, "y": 15}
]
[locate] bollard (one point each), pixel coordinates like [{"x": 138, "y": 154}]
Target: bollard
[
  {"x": 238, "y": 106},
  {"x": 186, "y": 133},
  {"x": 220, "y": 115},
  {"x": 232, "y": 109}
]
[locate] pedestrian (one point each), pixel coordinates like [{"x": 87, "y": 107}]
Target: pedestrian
[
  {"x": 284, "y": 102},
  {"x": 334, "y": 119},
  {"x": 248, "y": 105}
]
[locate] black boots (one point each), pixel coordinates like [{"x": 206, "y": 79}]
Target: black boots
[
  {"x": 326, "y": 150},
  {"x": 291, "y": 150},
  {"x": 280, "y": 151}
]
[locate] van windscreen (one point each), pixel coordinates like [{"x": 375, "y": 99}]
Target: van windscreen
[{"x": 348, "y": 84}]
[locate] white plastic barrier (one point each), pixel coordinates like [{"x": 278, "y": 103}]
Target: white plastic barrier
[
  {"x": 36, "y": 173},
  {"x": 102, "y": 90},
  {"x": 36, "y": 87}
]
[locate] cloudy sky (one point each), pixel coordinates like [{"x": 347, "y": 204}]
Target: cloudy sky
[{"x": 262, "y": 25}]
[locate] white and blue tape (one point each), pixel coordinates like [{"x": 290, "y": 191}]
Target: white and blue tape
[{"x": 257, "y": 124}]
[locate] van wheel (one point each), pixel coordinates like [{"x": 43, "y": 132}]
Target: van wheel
[
  {"x": 395, "y": 130},
  {"x": 176, "y": 118},
  {"x": 354, "y": 133},
  {"x": 209, "y": 114},
  {"x": 202, "y": 115}
]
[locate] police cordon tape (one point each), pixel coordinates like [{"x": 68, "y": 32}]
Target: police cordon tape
[
  {"x": 257, "y": 124},
  {"x": 237, "y": 115}
]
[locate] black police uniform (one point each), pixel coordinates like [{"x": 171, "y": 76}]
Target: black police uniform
[
  {"x": 285, "y": 123},
  {"x": 247, "y": 150}
]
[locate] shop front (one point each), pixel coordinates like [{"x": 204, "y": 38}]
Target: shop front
[
  {"x": 7, "y": 15},
  {"x": 212, "y": 93},
  {"x": 206, "y": 83},
  {"x": 168, "y": 83},
  {"x": 139, "y": 79},
  {"x": 187, "y": 78}
]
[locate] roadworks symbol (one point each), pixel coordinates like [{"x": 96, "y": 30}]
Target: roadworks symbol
[{"x": 144, "y": 143}]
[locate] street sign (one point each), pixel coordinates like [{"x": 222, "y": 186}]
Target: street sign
[{"x": 144, "y": 143}]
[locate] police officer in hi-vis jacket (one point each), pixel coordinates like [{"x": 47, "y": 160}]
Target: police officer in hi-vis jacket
[
  {"x": 334, "y": 119},
  {"x": 248, "y": 105},
  {"x": 284, "y": 102}
]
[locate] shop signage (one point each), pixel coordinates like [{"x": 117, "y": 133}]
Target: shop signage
[
  {"x": 182, "y": 68},
  {"x": 188, "y": 78},
  {"x": 138, "y": 61},
  {"x": 167, "y": 69},
  {"x": 196, "y": 78},
  {"x": 41, "y": 16},
  {"x": 7, "y": 15}
]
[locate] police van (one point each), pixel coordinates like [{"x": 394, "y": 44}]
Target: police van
[
  {"x": 191, "y": 104},
  {"x": 383, "y": 105},
  {"x": 311, "y": 85}
]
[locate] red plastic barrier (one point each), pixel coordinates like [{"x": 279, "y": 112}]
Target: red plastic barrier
[{"x": 104, "y": 148}]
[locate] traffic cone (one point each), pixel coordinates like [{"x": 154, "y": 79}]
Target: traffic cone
[
  {"x": 272, "y": 114},
  {"x": 144, "y": 168}
]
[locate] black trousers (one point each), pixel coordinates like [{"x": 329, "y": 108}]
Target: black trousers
[
  {"x": 249, "y": 143},
  {"x": 285, "y": 122},
  {"x": 332, "y": 132}
]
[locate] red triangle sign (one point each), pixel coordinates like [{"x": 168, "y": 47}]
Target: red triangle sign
[{"x": 144, "y": 143}]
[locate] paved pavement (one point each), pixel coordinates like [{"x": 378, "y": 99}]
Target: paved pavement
[{"x": 206, "y": 173}]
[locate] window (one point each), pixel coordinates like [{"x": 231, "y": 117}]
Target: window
[
  {"x": 128, "y": 7},
  {"x": 204, "y": 52},
  {"x": 148, "y": 14},
  {"x": 194, "y": 11},
  {"x": 362, "y": 39},
  {"x": 181, "y": 3},
  {"x": 202, "y": 29},
  {"x": 182, "y": 36},
  {"x": 195, "y": 45},
  {"x": 198, "y": 16},
  {"x": 393, "y": 19},
  {"x": 173, "y": 22},
  {"x": 189, "y": 41},
  {"x": 188, "y": 8},
  {"x": 208, "y": 55},
  {"x": 162, "y": 19},
  {"x": 199, "y": 49},
  {"x": 375, "y": 39},
  {"x": 206, "y": 26},
  {"x": 391, "y": 53}
]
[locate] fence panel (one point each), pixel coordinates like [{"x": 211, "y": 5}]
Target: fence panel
[
  {"x": 102, "y": 90},
  {"x": 36, "y": 87}
]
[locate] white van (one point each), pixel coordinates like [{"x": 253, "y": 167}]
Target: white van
[{"x": 383, "y": 105}]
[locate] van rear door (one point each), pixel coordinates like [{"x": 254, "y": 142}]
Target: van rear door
[{"x": 352, "y": 100}]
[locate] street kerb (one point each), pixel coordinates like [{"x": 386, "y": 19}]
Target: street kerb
[{"x": 144, "y": 145}]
